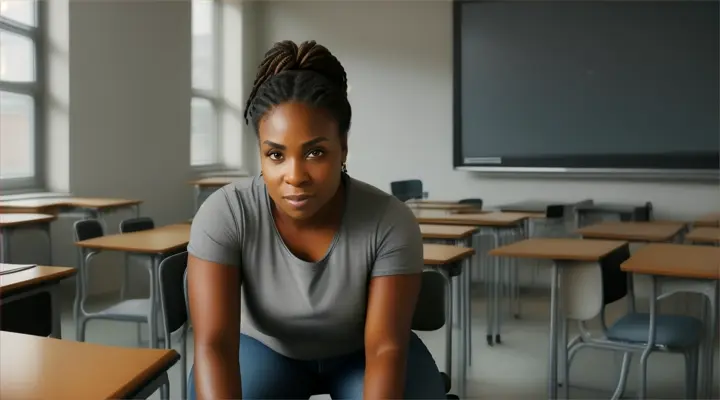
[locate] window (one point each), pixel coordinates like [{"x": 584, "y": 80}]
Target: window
[
  {"x": 20, "y": 95},
  {"x": 205, "y": 131}
]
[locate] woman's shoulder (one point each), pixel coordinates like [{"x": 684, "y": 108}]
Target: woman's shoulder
[
  {"x": 378, "y": 206},
  {"x": 231, "y": 203}
]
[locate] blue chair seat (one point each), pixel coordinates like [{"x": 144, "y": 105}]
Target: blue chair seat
[{"x": 676, "y": 331}]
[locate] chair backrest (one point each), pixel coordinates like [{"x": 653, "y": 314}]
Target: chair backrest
[
  {"x": 407, "y": 190},
  {"x": 136, "y": 224},
  {"x": 87, "y": 229},
  {"x": 476, "y": 203},
  {"x": 555, "y": 211},
  {"x": 590, "y": 286},
  {"x": 431, "y": 305},
  {"x": 172, "y": 291}
]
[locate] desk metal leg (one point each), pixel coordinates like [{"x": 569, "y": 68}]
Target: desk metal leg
[
  {"x": 448, "y": 325},
  {"x": 490, "y": 292},
  {"x": 466, "y": 305},
  {"x": 154, "y": 300},
  {"x": 48, "y": 232},
  {"x": 707, "y": 354},
  {"x": 553, "y": 350},
  {"x": 56, "y": 327},
  {"x": 498, "y": 266},
  {"x": 5, "y": 236}
]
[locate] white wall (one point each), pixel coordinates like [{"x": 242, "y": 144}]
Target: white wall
[
  {"x": 119, "y": 118},
  {"x": 398, "y": 56}
]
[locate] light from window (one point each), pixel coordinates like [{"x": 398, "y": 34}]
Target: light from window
[
  {"x": 203, "y": 44},
  {"x": 204, "y": 134},
  {"x": 17, "y": 58},
  {"x": 17, "y": 136},
  {"x": 22, "y": 11}
]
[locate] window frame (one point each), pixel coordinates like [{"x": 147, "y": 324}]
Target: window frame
[
  {"x": 36, "y": 90},
  {"x": 214, "y": 95}
]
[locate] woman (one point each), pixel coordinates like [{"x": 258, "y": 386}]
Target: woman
[{"x": 310, "y": 275}]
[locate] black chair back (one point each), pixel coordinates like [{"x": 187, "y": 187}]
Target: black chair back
[
  {"x": 407, "y": 190},
  {"x": 87, "y": 229},
  {"x": 136, "y": 224},
  {"x": 615, "y": 280},
  {"x": 476, "y": 203},
  {"x": 555, "y": 211},
  {"x": 431, "y": 305},
  {"x": 172, "y": 290}
]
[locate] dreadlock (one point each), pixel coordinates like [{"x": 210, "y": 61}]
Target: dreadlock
[{"x": 308, "y": 73}]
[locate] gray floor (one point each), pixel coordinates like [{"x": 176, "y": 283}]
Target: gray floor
[{"x": 514, "y": 370}]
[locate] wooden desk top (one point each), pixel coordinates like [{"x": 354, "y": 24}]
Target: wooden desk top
[
  {"x": 215, "y": 181},
  {"x": 35, "y": 367},
  {"x": 7, "y": 220},
  {"x": 49, "y": 204},
  {"x": 632, "y": 231},
  {"x": 154, "y": 241},
  {"x": 494, "y": 219},
  {"x": 442, "y": 254},
  {"x": 709, "y": 220},
  {"x": 416, "y": 202},
  {"x": 33, "y": 276},
  {"x": 704, "y": 235},
  {"x": 448, "y": 207},
  {"x": 452, "y": 232},
  {"x": 679, "y": 260},
  {"x": 567, "y": 249}
]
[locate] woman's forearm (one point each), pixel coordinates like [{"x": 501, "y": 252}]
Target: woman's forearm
[
  {"x": 217, "y": 373},
  {"x": 384, "y": 376}
]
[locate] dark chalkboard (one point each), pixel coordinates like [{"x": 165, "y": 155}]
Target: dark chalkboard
[{"x": 581, "y": 84}]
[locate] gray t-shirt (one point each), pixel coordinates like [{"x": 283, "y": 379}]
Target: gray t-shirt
[{"x": 301, "y": 309}]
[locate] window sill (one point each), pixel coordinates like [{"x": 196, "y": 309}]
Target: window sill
[{"x": 29, "y": 194}]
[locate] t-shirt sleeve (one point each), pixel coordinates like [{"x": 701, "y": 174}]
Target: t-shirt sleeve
[
  {"x": 400, "y": 246},
  {"x": 215, "y": 231}
]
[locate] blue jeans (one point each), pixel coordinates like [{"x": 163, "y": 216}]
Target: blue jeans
[{"x": 270, "y": 375}]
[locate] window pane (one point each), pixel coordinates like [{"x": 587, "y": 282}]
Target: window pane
[
  {"x": 203, "y": 44},
  {"x": 22, "y": 11},
  {"x": 17, "y": 136},
  {"x": 17, "y": 58},
  {"x": 204, "y": 135}
]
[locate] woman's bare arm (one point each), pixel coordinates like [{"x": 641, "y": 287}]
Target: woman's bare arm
[
  {"x": 391, "y": 304},
  {"x": 214, "y": 301}
]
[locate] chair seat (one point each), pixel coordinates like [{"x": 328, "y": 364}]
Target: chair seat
[
  {"x": 126, "y": 310},
  {"x": 678, "y": 331}
]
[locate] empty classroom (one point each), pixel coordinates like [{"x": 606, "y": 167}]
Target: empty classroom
[{"x": 207, "y": 199}]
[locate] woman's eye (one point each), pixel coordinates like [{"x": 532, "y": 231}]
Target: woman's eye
[
  {"x": 275, "y": 156},
  {"x": 315, "y": 153}
]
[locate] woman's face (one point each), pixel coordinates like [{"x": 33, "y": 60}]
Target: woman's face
[{"x": 301, "y": 155}]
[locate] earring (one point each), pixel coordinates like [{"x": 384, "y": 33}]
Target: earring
[{"x": 343, "y": 168}]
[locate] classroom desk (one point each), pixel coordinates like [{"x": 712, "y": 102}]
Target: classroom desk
[
  {"x": 496, "y": 223},
  {"x": 210, "y": 183},
  {"x": 93, "y": 207},
  {"x": 624, "y": 212},
  {"x": 683, "y": 268},
  {"x": 18, "y": 285},
  {"x": 34, "y": 367},
  {"x": 154, "y": 244},
  {"x": 447, "y": 258},
  {"x": 711, "y": 220},
  {"x": 704, "y": 235},
  {"x": 12, "y": 222},
  {"x": 461, "y": 236},
  {"x": 564, "y": 253},
  {"x": 447, "y": 206},
  {"x": 633, "y": 231}
]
